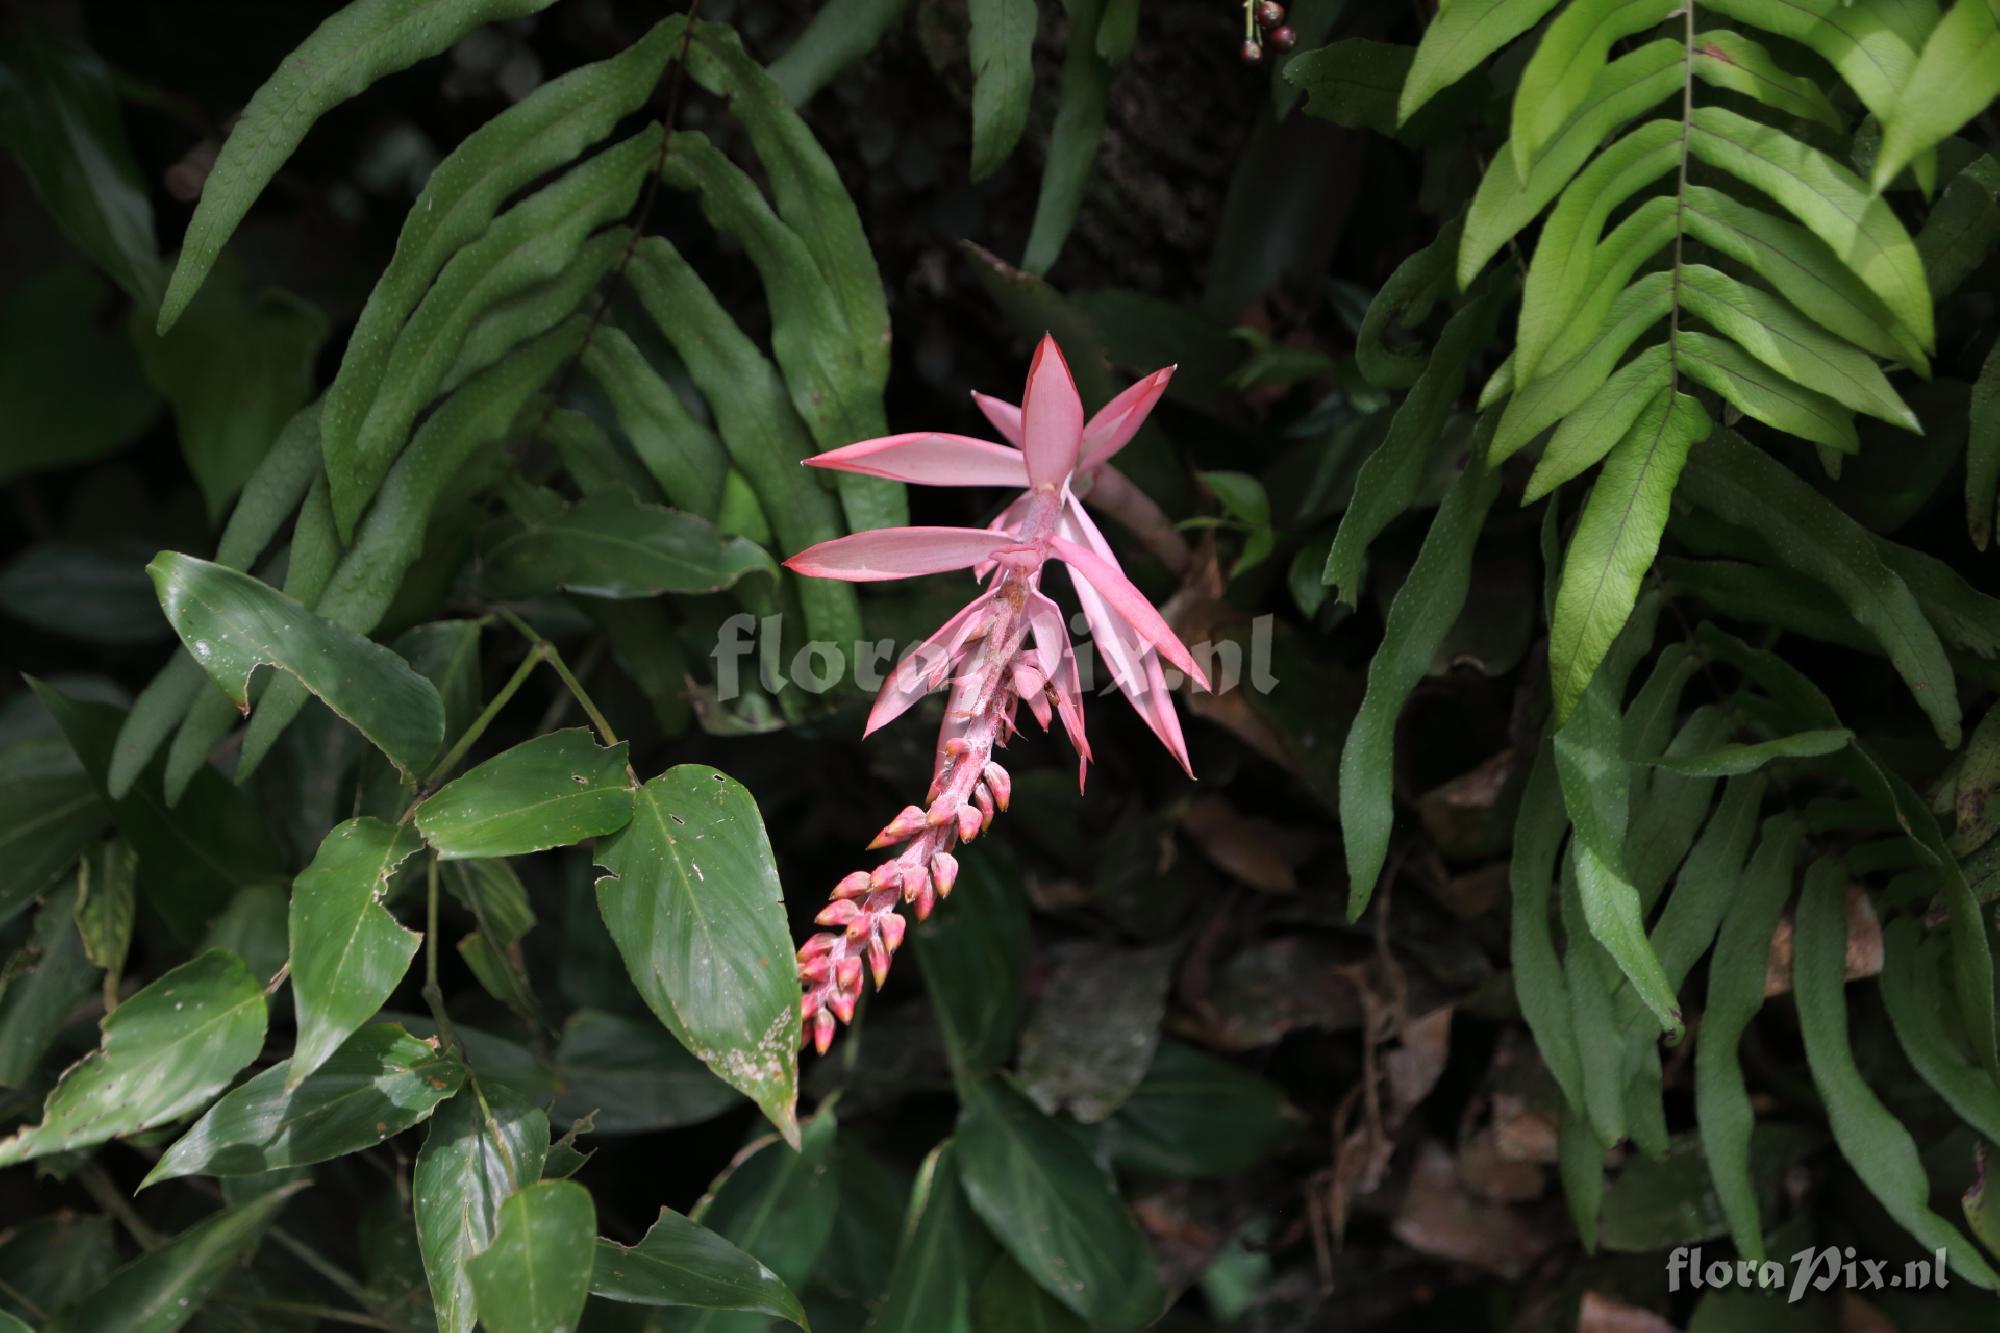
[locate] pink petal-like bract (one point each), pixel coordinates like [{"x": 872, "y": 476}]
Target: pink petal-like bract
[
  {"x": 1128, "y": 603},
  {"x": 1051, "y": 418},
  {"x": 898, "y": 553},
  {"x": 927, "y": 458},
  {"x": 1119, "y": 420},
  {"x": 1058, "y": 663},
  {"x": 1135, "y": 667},
  {"x": 1006, "y": 417},
  {"x": 925, "y": 667}
]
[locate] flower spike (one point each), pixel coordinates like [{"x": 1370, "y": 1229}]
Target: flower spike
[{"x": 1009, "y": 645}]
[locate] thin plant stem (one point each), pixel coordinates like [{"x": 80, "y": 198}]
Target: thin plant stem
[
  {"x": 308, "y": 1309},
  {"x": 433, "y": 993},
  {"x": 485, "y": 718},
  {"x": 569, "y": 680},
  {"x": 326, "y": 1268},
  {"x": 112, "y": 1200}
]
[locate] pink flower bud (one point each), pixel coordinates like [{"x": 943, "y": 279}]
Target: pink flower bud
[
  {"x": 926, "y": 899},
  {"x": 944, "y": 871},
  {"x": 856, "y": 884},
  {"x": 817, "y": 971},
  {"x": 847, "y": 983},
  {"x": 815, "y": 947},
  {"x": 943, "y": 811},
  {"x": 823, "y": 1028},
  {"x": 885, "y": 875},
  {"x": 915, "y": 881},
  {"x": 891, "y": 927},
  {"x": 904, "y": 825},
  {"x": 984, "y": 800},
  {"x": 842, "y": 1004},
  {"x": 878, "y": 961},
  {"x": 1001, "y": 784},
  {"x": 808, "y": 1005},
  {"x": 968, "y": 826},
  {"x": 838, "y": 913}
]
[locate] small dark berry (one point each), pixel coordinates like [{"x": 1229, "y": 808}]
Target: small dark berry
[
  {"x": 1270, "y": 14},
  {"x": 1284, "y": 39},
  {"x": 1252, "y": 53}
]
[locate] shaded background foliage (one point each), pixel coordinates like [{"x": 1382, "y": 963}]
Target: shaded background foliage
[{"x": 1317, "y": 1123}]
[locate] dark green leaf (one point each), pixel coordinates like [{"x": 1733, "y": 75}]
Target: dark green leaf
[
  {"x": 44, "y": 982},
  {"x": 943, "y": 1247},
  {"x": 615, "y": 546},
  {"x": 72, "y": 386},
  {"x": 483, "y": 1145},
  {"x": 679, "y": 1262},
  {"x": 534, "y": 1276},
  {"x": 1197, "y": 1115},
  {"x": 348, "y": 952},
  {"x": 1002, "y": 47},
  {"x": 778, "y": 1206},
  {"x": 551, "y": 791}
]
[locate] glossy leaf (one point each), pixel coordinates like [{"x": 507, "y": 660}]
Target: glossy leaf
[
  {"x": 484, "y": 1144},
  {"x": 1763, "y": 395},
  {"x": 164, "y": 1052},
  {"x": 379, "y": 1083},
  {"x": 693, "y": 902},
  {"x": 348, "y": 952},
  {"x": 1052, "y": 1208},
  {"x": 357, "y": 45},
  {"x": 534, "y": 1275},
  {"x": 681, "y": 1262},
  {"x": 233, "y": 624},
  {"x": 1458, "y": 39},
  {"x": 614, "y": 546},
  {"x": 552, "y": 791}
]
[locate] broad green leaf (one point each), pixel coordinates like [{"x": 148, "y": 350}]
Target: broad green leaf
[
  {"x": 1865, "y": 42},
  {"x": 1616, "y": 538},
  {"x": 1459, "y": 39},
  {"x": 755, "y": 418},
  {"x": 1002, "y": 48},
  {"x": 49, "y": 809},
  {"x": 1963, "y": 616},
  {"x": 1956, "y": 76},
  {"x": 483, "y": 1145},
  {"x": 1539, "y": 983},
  {"x": 974, "y": 960},
  {"x": 530, "y": 243},
  {"x": 1079, "y": 128},
  {"x": 632, "y": 1074},
  {"x": 1734, "y": 62},
  {"x": 348, "y": 952},
  {"x": 233, "y": 624},
  {"x": 1507, "y": 201},
  {"x": 238, "y": 371},
  {"x": 391, "y": 537},
  {"x": 1567, "y": 60},
  {"x": 1912, "y": 968},
  {"x": 943, "y": 1247},
  {"x": 616, "y": 547},
  {"x": 534, "y": 1275},
  {"x": 1538, "y": 405},
  {"x": 1389, "y": 479},
  {"x": 1803, "y": 269},
  {"x": 164, "y": 1052},
  {"x": 1053, "y": 1208},
  {"x": 1008, "y": 1301},
  {"x": 73, "y": 389},
  {"x": 1806, "y": 533},
  {"x": 777, "y": 1205},
  {"x": 834, "y": 378},
  {"x": 546, "y": 130},
  {"x": 693, "y": 902},
  {"x": 1730, "y": 760},
  {"x": 681, "y": 453},
  {"x": 59, "y": 118},
  {"x": 1874, "y": 1143},
  {"x": 1982, "y": 452},
  {"x": 552, "y": 791},
  {"x": 1354, "y": 82},
  {"x": 164, "y": 1288},
  {"x": 1565, "y": 253},
  {"x": 1755, "y": 390},
  {"x": 1777, "y": 335},
  {"x": 1590, "y": 431},
  {"x": 44, "y": 982},
  {"x": 363, "y": 42},
  {"x": 379, "y": 1083},
  {"x": 1833, "y": 203},
  {"x": 680, "y": 1262},
  {"x": 1423, "y": 612},
  {"x": 1196, "y": 1115}
]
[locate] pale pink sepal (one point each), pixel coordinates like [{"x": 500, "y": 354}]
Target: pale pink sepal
[
  {"x": 1051, "y": 417},
  {"x": 1119, "y": 420},
  {"x": 1135, "y": 668},
  {"x": 1058, "y": 663},
  {"x": 1006, "y": 417},
  {"x": 928, "y": 458},
  {"x": 925, "y": 667},
  {"x": 1129, "y": 604},
  {"x": 898, "y": 553}
]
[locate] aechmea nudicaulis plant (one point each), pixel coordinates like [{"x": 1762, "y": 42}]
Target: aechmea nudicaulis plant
[{"x": 1008, "y": 646}]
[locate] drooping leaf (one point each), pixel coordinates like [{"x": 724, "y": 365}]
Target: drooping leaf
[
  {"x": 379, "y": 1083},
  {"x": 1982, "y": 452},
  {"x": 164, "y": 1052},
  {"x": 1539, "y": 982},
  {"x": 348, "y": 952},
  {"x": 534, "y": 1275},
  {"x": 693, "y": 902},
  {"x": 233, "y": 624},
  {"x": 777, "y": 1205},
  {"x": 356, "y": 46},
  {"x": 483, "y": 1145},
  {"x": 1052, "y": 1207},
  {"x": 1002, "y": 45},
  {"x": 105, "y": 904},
  {"x": 44, "y": 982},
  {"x": 943, "y": 1247},
  {"x": 552, "y": 791},
  {"x": 617, "y": 547},
  {"x": 164, "y": 1288},
  {"x": 1079, "y": 128},
  {"x": 974, "y": 959},
  {"x": 840, "y": 33},
  {"x": 681, "y": 1262}
]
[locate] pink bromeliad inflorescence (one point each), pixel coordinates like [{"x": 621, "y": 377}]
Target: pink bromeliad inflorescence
[{"x": 1009, "y": 644}]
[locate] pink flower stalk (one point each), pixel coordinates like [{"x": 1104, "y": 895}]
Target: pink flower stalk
[{"x": 1009, "y": 644}]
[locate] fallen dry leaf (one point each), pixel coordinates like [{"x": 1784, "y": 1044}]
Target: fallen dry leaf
[
  {"x": 1257, "y": 851},
  {"x": 1602, "y": 1314},
  {"x": 1864, "y": 945},
  {"x": 1440, "y": 1218}
]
